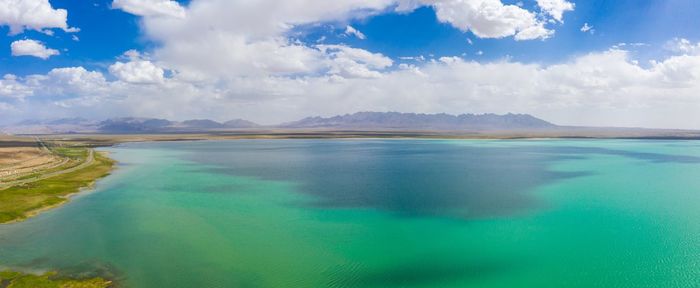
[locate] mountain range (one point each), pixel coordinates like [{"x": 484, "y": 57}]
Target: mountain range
[
  {"x": 395, "y": 120},
  {"x": 356, "y": 121}
]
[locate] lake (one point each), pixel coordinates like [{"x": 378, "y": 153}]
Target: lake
[{"x": 379, "y": 213}]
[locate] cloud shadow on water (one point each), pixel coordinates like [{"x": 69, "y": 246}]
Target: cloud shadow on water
[
  {"x": 429, "y": 272},
  {"x": 410, "y": 178}
]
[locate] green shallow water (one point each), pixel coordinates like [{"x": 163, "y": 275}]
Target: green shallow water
[{"x": 380, "y": 213}]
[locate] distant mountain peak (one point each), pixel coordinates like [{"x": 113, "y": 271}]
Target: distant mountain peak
[
  {"x": 153, "y": 125},
  {"x": 202, "y": 123},
  {"x": 416, "y": 121},
  {"x": 133, "y": 125},
  {"x": 240, "y": 123}
]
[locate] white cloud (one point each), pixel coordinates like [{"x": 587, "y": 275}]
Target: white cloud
[
  {"x": 534, "y": 32},
  {"x": 132, "y": 55},
  {"x": 6, "y": 107},
  {"x": 150, "y": 7},
  {"x": 12, "y": 88},
  {"x": 32, "y": 14},
  {"x": 34, "y": 48},
  {"x": 587, "y": 28},
  {"x": 493, "y": 18},
  {"x": 138, "y": 71},
  {"x": 351, "y": 31},
  {"x": 70, "y": 81},
  {"x": 232, "y": 59},
  {"x": 354, "y": 63},
  {"x": 556, "y": 8},
  {"x": 490, "y": 18},
  {"x": 199, "y": 46},
  {"x": 684, "y": 46},
  {"x": 274, "y": 56},
  {"x": 604, "y": 88}
]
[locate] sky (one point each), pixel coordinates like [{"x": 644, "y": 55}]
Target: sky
[{"x": 626, "y": 63}]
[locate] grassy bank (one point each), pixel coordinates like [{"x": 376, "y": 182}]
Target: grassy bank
[
  {"x": 79, "y": 169},
  {"x": 11, "y": 279},
  {"x": 22, "y": 201}
]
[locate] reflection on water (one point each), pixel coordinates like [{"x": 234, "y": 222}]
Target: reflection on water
[{"x": 410, "y": 179}]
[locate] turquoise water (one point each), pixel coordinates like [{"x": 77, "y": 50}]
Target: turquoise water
[{"x": 380, "y": 213}]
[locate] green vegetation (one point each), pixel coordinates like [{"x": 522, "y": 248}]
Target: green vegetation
[
  {"x": 22, "y": 201},
  {"x": 12, "y": 279},
  {"x": 42, "y": 190},
  {"x": 70, "y": 152},
  {"x": 71, "y": 157}
]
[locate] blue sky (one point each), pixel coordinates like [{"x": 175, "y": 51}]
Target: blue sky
[
  {"x": 216, "y": 56},
  {"x": 614, "y": 21},
  {"x": 106, "y": 33}
]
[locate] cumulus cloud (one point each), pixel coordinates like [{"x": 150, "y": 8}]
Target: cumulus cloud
[
  {"x": 70, "y": 82},
  {"x": 587, "y": 28},
  {"x": 32, "y": 14},
  {"x": 555, "y": 8},
  {"x": 493, "y": 18},
  {"x": 150, "y": 7},
  {"x": 12, "y": 88},
  {"x": 682, "y": 45},
  {"x": 199, "y": 46},
  {"x": 34, "y": 48},
  {"x": 595, "y": 89},
  {"x": 235, "y": 58},
  {"x": 490, "y": 18},
  {"x": 6, "y": 107},
  {"x": 351, "y": 31},
  {"x": 137, "y": 71},
  {"x": 354, "y": 63}
]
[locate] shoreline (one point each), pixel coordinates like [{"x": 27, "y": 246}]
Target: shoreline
[
  {"x": 109, "y": 140},
  {"x": 98, "y": 161},
  {"x": 102, "y": 158},
  {"x": 66, "y": 200},
  {"x": 107, "y": 281},
  {"x": 74, "y": 183},
  {"x": 53, "y": 278}
]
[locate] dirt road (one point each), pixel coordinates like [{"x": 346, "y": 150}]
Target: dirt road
[{"x": 88, "y": 160}]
